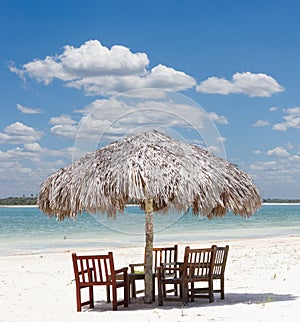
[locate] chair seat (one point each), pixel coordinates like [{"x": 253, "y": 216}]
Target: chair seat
[
  {"x": 137, "y": 276},
  {"x": 174, "y": 280},
  {"x": 198, "y": 278}
]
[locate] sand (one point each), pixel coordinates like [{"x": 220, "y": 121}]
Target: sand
[{"x": 262, "y": 284}]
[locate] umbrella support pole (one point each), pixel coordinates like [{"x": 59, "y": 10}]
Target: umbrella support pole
[{"x": 149, "y": 251}]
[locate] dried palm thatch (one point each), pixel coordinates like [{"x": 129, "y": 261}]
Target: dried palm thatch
[
  {"x": 175, "y": 175},
  {"x": 158, "y": 173}
]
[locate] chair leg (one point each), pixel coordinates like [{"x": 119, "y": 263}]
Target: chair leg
[
  {"x": 114, "y": 298},
  {"x": 108, "y": 293},
  {"x": 126, "y": 294},
  {"x": 192, "y": 292},
  {"x": 91, "y": 296},
  {"x": 180, "y": 291},
  {"x": 78, "y": 299},
  {"x": 185, "y": 294},
  {"x": 175, "y": 290},
  {"x": 153, "y": 288},
  {"x": 128, "y": 289},
  {"x": 211, "y": 291},
  {"x": 133, "y": 288},
  {"x": 160, "y": 292},
  {"x": 222, "y": 289}
]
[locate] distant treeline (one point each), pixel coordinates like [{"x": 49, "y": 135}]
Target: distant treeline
[
  {"x": 14, "y": 201},
  {"x": 281, "y": 200}
]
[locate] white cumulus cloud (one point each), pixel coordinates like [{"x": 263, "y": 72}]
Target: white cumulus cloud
[
  {"x": 99, "y": 70},
  {"x": 254, "y": 85},
  {"x": 19, "y": 133},
  {"x": 33, "y": 147},
  {"x": 62, "y": 119}
]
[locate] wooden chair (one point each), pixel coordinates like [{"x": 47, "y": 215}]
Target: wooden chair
[
  {"x": 218, "y": 273},
  {"x": 161, "y": 255},
  {"x": 197, "y": 266},
  {"x": 97, "y": 270}
]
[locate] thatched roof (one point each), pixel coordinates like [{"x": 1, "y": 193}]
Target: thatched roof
[{"x": 177, "y": 175}]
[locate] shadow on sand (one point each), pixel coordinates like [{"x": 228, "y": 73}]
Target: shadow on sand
[{"x": 230, "y": 299}]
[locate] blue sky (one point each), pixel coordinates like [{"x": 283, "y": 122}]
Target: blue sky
[{"x": 223, "y": 74}]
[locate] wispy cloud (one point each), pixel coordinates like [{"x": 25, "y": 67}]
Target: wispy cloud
[
  {"x": 254, "y": 85},
  {"x": 28, "y": 110},
  {"x": 110, "y": 119},
  {"x": 278, "y": 152},
  {"x": 280, "y": 172},
  {"x": 291, "y": 120},
  {"x": 261, "y": 123},
  {"x": 99, "y": 70},
  {"x": 24, "y": 167},
  {"x": 220, "y": 119}
]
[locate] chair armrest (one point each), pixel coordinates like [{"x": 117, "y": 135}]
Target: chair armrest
[
  {"x": 162, "y": 270},
  {"x": 133, "y": 266},
  {"x": 121, "y": 274},
  {"x": 172, "y": 265},
  {"x": 121, "y": 270}
]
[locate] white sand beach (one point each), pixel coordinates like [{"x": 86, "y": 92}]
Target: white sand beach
[{"x": 262, "y": 284}]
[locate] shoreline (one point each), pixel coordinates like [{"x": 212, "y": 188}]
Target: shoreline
[{"x": 207, "y": 242}]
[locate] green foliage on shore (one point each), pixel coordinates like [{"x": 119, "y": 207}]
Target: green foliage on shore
[
  {"x": 16, "y": 201},
  {"x": 269, "y": 200}
]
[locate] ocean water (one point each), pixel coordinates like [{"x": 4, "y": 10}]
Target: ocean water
[{"x": 26, "y": 230}]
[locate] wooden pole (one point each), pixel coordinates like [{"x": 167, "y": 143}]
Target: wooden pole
[{"x": 149, "y": 251}]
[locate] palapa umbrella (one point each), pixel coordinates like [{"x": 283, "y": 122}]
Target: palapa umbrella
[{"x": 157, "y": 172}]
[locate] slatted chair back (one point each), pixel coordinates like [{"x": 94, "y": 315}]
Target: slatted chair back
[
  {"x": 163, "y": 255},
  {"x": 219, "y": 269},
  {"x": 94, "y": 269},
  {"x": 220, "y": 261},
  {"x": 198, "y": 263}
]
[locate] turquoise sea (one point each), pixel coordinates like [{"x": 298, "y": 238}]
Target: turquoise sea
[{"x": 26, "y": 230}]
